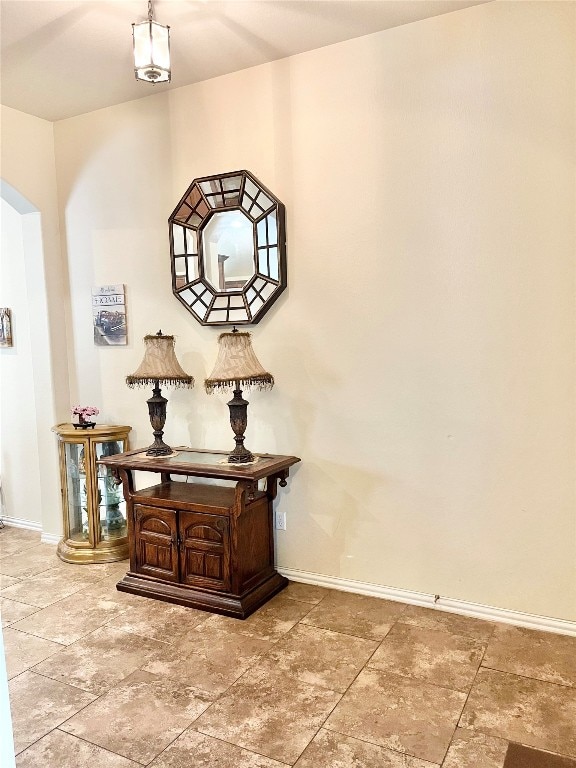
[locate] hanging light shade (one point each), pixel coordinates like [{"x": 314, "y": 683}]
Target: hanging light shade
[{"x": 151, "y": 50}]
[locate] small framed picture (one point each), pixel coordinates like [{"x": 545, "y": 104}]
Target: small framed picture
[
  {"x": 109, "y": 314},
  {"x": 5, "y": 327}
]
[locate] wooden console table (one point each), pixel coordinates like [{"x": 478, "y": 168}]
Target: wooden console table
[{"x": 200, "y": 545}]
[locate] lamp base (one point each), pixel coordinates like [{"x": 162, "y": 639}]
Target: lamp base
[
  {"x": 157, "y": 411},
  {"x": 238, "y": 421},
  {"x": 159, "y": 448},
  {"x": 240, "y": 455}
]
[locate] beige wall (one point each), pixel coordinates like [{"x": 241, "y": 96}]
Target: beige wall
[
  {"x": 19, "y": 459},
  {"x": 28, "y": 166},
  {"x": 424, "y": 350}
]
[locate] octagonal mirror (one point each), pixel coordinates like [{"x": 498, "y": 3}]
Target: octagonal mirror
[{"x": 228, "y": 252}]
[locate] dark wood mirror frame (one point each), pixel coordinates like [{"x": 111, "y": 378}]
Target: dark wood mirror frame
[{"x": 199, "y": 279}]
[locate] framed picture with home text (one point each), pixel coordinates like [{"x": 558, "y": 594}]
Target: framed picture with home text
[{"x": 109, "y": 315}]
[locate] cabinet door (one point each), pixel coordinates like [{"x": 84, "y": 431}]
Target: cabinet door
[
  {"x": 205, "y": 550},
  {"x": 155, "y": 536}
]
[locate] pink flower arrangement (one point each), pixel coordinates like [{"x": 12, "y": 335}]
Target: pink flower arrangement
[{"x": 85, "y": 411}]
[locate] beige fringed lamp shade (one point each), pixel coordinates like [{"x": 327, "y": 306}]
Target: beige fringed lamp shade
[
  {"x": 237, "y": 365},
  {"x": 159, "y": 365}
]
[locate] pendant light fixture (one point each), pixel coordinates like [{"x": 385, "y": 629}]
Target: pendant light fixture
[{"x": 151, "y": 50}]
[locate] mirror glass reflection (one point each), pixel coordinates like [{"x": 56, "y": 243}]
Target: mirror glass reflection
[{"x": 228, "y": 250}]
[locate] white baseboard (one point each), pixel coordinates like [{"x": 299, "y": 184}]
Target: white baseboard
[
  {"x": 462, "y": 607},
  {"x": 475, "y": 610},
  {"x": 18, "y": 522}
]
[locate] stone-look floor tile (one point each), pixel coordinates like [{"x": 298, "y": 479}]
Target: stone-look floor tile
[
  {"x": 106, "y": 589},
  {"x": 270, "y": 622},
  {"x": 255, "y": 713},
  {"x": 96, "y": 571},
  {"x": 320, "y": 656},
  {"x": 209, "y": 659},
  {"x": 61, "y": 750},
  {"x": 527, "y": 652},
  {"x": 29, "y": 562},
  {"x": 333, "y": 750},
  {"x": 103, "y": 575},
  {"x": 13, "y": 540},
  {"x": 48, "y": 587},
  {"x": 351, "y": 614},
  {"x": 100, "y": 660},
  {"x": 39, "y": 704},
  {"x": 24, "y": 651},
  {"x": 396, "y": 712},
  {"x": 11, "y": 611},
  {"x": 209, "y": 753},
  {"x": 469, "y": 749},
  {"x": 139, "y": 717},
  {"x": 7, "y": 581},
  {"x": 158, "y": 620},
  {"x": 73, "y": 617},
  {"x": 120, "y": 567},
  {"x": 306, "y": 593},
  {"x": 20, "y": 534},
  {"x": 427, "y": 654},
  {"x": 531, "y": 712},
  {"x": 434, "y": 618}
]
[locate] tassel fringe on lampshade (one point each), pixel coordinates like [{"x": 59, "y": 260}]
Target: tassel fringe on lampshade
[
  {"x": 237, "y": 365},
  {"x": 159, "y": 364}
]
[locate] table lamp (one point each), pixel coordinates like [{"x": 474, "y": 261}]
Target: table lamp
[
  {"x": 159, "y": 367},
  {"x": 237, "y": 366}
]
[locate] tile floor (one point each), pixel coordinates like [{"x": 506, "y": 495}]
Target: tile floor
[{"x": 314, "y": 679}]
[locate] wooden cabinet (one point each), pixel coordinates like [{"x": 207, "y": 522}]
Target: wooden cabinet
[
  {"x": 204, "y": 550},
  {"x": 188, "y": 546},
  {"x": 200, "y": 545},
  {"x": 155, "y": 540}
]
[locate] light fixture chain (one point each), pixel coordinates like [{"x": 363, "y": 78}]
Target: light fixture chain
[{"x": 151, "y": 44}]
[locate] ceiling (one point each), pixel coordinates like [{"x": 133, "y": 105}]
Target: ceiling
[{"x": 61, "y": 58}]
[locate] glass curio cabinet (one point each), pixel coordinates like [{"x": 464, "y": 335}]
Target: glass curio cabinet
[{"x": 92, "y": 500}]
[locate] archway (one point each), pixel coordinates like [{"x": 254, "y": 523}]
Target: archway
[{"x": 28, "y": 456}]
